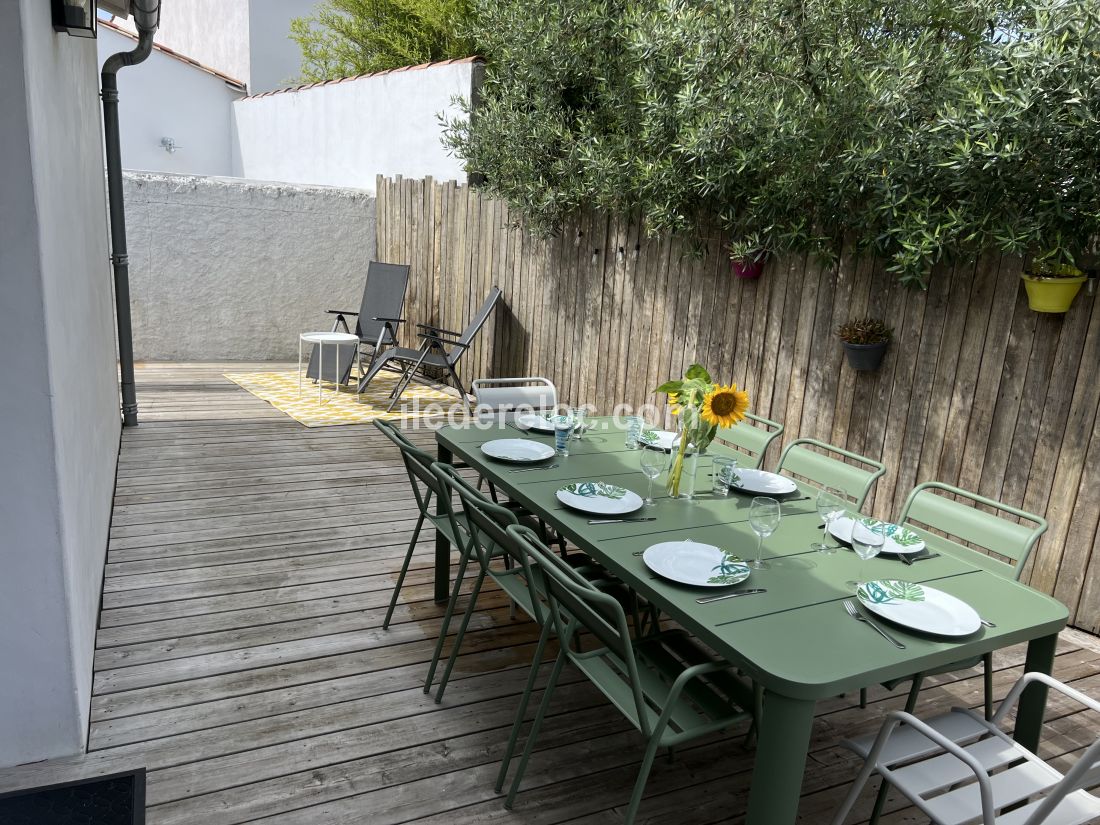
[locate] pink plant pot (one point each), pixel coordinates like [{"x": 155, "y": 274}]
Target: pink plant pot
[{"x": 748, "y": 267}]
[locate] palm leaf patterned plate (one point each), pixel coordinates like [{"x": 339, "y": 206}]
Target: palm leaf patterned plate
[
  {"x": 689, "y": 562},
  {"x": 919, "y": 607},
  {"x": 899, "y": 540},
  {"x": 541, "y": 422},
  {"x": 599, "y": 498}
]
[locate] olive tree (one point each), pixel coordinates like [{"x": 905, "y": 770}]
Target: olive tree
[{"x": 916, "y": 129}]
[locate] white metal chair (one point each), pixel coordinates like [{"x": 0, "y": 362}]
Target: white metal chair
[
  {"x": 960, "y": 768},
  {"x": 502, "y": 397}
]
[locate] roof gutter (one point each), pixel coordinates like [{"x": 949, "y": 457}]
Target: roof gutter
[{"x": 146, "y": 14}]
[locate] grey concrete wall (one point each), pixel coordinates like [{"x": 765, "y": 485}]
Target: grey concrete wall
[
  {"x": 229, "y": 269},
  {"x": 59, "y": 421}
]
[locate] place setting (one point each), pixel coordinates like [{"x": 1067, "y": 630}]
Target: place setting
[
  {"x": 899, "y": 542},
  {"x": 697, "y": 564},
  {"x": 610, "y": 503}
]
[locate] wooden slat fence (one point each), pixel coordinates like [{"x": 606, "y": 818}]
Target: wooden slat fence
[{"x": 976, "y": 390}]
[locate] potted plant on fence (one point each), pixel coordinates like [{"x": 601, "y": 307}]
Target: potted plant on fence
[
  {"x": 865, "y": 341},
  {"x": 1051, "y": 287},
  {"x": 750, "y": 265}
]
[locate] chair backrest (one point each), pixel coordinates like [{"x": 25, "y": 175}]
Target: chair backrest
[
  {"x": 476, "y": 323},
  {"x": 418, "y": 464},
  {"x": 383, "y": 297},
  {"x": 485, "y": 522},
  {"x": 753, "y": 436},
  {"x": 816, "y": 462},
  {"x": 577, "y": 604},
  {"x": 503, "y": 396},
  {"x": 997, "y": 532}
]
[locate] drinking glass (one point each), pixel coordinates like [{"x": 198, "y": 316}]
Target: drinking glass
[
  {"x": 563, "y": 430},
  {"x": 653, "y": 462},
  {"x": 722, "y": 475},
  {"x": 634, "y": 425},
  {"x": 578, "y": 414},
  {"x": 867, "y": 541},
  {"x": 830, "y": 505},
  {"x": 763, "y": 519}
]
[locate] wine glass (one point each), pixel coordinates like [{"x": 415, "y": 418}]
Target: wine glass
[
  {"x": 830, "y": 504},
  {"x": 763, "y": 519},
  {"x": 653, "y": 462},
  {"x": 868, "y": 541}
]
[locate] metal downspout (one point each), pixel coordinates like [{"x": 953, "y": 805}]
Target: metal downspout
[{"x": 146, "y": 16}]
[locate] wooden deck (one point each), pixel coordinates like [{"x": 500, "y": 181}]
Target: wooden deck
[{"x": 241, "y": 659}]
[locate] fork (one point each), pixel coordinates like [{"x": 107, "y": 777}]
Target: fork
[
  {"x": 849, "y": 605},
  {"x": 535, "y": 469}
]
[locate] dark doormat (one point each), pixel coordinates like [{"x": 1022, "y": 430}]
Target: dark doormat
[{"x": 118, "y": 799}]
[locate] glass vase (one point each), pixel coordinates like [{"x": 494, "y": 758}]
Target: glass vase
[{"x": 681, "y": 473}]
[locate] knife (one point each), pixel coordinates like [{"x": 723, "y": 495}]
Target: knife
[
  {"x": 709, "y": 599},
  {"x": 619, "y": 520}
]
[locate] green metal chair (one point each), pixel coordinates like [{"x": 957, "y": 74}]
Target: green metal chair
[
  {"x": 670, "y": 689},
  {"x": 749, "y": 438},
  {"x": 926, "y": 509},
  {"x": 985, "y": 533},
  {"x": 482, "y": 524},
  {"x": 425, "y": 485},
  {"x": 808, "y": 458}
]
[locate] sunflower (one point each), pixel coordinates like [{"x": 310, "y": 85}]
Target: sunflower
[
  {"x": 674, "y": 403},
  {"x": 725, "y": 406}
]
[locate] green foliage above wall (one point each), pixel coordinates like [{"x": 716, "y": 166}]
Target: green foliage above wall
[
  {"x": 351, "y": 37},
  {"x": 920, "y": 129}
]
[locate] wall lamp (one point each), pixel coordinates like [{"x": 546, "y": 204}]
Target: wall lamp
[{"x": 74, "y": 17}]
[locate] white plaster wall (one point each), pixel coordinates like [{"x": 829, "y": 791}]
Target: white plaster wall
[
  {"x": 213, "y": 32},
  {"x": 165, "y": 97},
  {"x": 275, "y": 60},
  {"x": 231, "y": 269},
  {"x": 59, "y": 422},
  {"x": 346, "y": 133}
]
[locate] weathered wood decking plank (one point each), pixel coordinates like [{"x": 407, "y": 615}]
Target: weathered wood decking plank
[{"x": 240, "y": 655}]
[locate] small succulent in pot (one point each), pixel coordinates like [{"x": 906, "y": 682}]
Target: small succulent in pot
[{"x": 865, "y": 341}]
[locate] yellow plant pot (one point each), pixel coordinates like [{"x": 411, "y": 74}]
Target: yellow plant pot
[{"x": 1051, "y": 294}]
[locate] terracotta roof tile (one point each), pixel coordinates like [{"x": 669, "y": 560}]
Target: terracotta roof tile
[
  {"x": 232, "y": 81},
  {"x": 368, "y": 74}
]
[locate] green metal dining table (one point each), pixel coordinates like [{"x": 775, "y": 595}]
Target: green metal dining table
[{"x": 796, "y": 639}]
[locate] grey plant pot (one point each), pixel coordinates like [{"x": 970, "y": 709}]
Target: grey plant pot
[{"x": 865, "y": 357}]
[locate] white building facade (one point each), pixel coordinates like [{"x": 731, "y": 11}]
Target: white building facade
[
  {"x": 59, "y": 411},
  {"x": 176, "y": 114}
]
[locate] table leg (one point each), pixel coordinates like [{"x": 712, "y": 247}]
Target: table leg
[
  {"x": 781, "y": 750},
  {"x": 1033, "y": 703},
  {"x": 442, "y": 546},
  {"x": 299, "y": 366},
  {"x": 320, "y": 372}
]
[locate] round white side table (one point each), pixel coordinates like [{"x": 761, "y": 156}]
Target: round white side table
[{"x": 320, "y": 339}]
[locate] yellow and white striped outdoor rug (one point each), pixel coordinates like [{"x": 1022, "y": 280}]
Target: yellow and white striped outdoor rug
[{"x": 280, "y": 390}]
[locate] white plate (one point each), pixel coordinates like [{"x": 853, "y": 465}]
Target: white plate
[
  {"x": 689, "y": 562},
  {"x": 919, "y": 607},
  {"x": 659, "y": 439},
  {"x": 899, "y": 540},
  {"x": 540, "y": 423},
  {"x": 599, "y": 498},
  {"x": 763, "y": 482},
  {"x": 517, "y": 450}
]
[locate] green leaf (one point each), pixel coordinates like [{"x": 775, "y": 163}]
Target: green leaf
[
  {"x": 670, "y": 386},
  {"x": 697, "y": 372}
]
